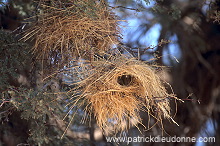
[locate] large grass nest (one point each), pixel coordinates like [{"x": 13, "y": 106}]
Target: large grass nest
[
  {"x": 115, "y": 90},
  {"x": 72, "y": 29}
]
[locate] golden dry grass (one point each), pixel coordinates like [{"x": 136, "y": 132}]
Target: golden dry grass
[
  {"x": 114, "y": 90},
  {"x": 117, "y": 89},
  {"x": 73, "y": 29}
]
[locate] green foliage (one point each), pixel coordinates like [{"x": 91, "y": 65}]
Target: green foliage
[
  {"x": 37, "y": 108},
  {"x": 25, "y": 8},
  {"x": 13, "y": 56},
  {"x": 173, "y": 12},
  {"x": 86, "y": 8},
  {"x": 147, "y": 2},
  {"x": 34, "y": 105},
  {"x": 89, "y": 8}
]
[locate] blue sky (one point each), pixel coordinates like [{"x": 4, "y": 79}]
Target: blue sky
[
  {"x": 173, "y": 54},
  {"x": 130, "y": 32},
  {"x": 151, "y": 39}
]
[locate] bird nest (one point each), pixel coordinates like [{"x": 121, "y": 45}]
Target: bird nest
[
  {"x": 114, "y": 91},
  {"x": 71, "y": 29}
]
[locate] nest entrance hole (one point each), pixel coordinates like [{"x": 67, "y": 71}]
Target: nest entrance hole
[{"x": 125, "y": 80}]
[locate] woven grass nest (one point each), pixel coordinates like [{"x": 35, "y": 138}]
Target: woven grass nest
[
  {"x": 117, "y": 89},
  {"x": 73, "y": 28}
]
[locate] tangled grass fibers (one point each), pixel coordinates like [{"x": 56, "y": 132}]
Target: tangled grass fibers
[
  {"x": 117, "y": 89},
  {"x": 73, "y": 28}
]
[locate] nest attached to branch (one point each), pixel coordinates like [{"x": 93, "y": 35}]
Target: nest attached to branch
[
  {"x": 116, "y": 90},
  {"x": 72, "y": 29}
]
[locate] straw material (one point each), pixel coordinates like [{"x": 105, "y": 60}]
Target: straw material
[
  {"x": 73, "y": 29},
  {"x": 116, "y": 90}
]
